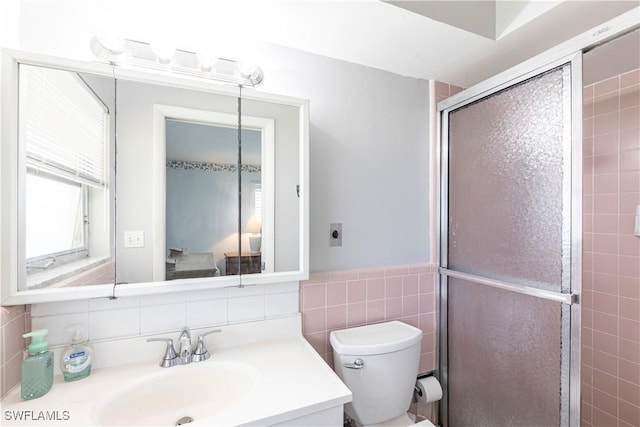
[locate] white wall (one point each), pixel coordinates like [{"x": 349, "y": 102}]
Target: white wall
[{"x": 368, "y": 140}]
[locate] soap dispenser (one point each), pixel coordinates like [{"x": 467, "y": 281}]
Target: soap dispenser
[
  {"x": 76, "y": 360},
  {"x": 37, "y": 368}
]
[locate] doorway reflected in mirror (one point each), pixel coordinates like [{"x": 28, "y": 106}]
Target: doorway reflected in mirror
[{"x": 202, "y": 196}]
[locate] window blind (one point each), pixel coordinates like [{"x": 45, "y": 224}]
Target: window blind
[
  {"x": 63, "y": 125},
  {"x": 257, "y": 199}
]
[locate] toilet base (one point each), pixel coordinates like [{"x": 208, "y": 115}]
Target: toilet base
[{"x": 402, "y": 421}]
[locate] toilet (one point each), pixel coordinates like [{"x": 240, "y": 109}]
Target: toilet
[{"x": 379, "y": 364}]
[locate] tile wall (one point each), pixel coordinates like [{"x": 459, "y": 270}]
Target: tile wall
[
  {"x": 445, "y": 90},
  {"x": 343, "y": 299},
  {"x": 15, "y": 321},
  {"x": 611, "y": 258},
  {"x": 127, "y": 317}
]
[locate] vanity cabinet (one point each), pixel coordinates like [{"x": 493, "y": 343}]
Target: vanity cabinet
[{"x": 249, "y": 263}]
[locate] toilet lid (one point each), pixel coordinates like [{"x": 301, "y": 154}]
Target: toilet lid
[{"x": 377, "y": 338}]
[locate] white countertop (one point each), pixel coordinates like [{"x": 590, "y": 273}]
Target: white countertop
[{"x": 291, "y": 381}]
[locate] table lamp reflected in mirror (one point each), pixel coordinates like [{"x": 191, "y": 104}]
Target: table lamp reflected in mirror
[{"x": 254, "y": 228}]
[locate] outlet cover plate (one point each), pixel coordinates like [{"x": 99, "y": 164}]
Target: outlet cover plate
[{"x": 335, "y": 234}]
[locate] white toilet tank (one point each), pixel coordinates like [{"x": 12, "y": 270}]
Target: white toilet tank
[{"x": 382, "y": 385}]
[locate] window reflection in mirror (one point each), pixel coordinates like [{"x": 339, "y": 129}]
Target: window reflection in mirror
[
  {"x": 202, "y": 196},
  {"x": 65, "y": 130}
]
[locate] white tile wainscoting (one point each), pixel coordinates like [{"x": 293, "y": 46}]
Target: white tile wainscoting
[{"x": 126, "y": 317}]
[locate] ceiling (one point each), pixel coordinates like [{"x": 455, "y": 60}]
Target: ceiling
[
  {"x": 460, "y": 42},
  {"x": 383, "y": 36},
  {"x": 493, "y": 19},
  {"x": 444, "y": 40}
]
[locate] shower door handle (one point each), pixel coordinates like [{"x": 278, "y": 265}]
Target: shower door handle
[{"x": 357, "y": 364}]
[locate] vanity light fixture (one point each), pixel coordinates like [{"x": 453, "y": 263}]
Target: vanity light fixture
[{"x": 166, "y": 58}]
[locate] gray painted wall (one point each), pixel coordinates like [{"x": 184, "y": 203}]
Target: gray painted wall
[{"x": 369, "y": 157}]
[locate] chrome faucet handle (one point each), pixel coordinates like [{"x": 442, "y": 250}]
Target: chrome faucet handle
[
  {"x": 170, "y": 357},
  {"x": 185, "y": 345},
  {"x": 200, "y": 354}
]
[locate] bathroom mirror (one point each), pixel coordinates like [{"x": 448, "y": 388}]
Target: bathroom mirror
[
  {"x": 164, "y": 135},
  {"x": 65, "y": 173},
  {"x": 177, "y": 182},
  {"x": 57, "y": 168},
  {"x": 283, "y": 201}
]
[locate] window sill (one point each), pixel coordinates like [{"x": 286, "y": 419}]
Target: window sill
[{"x": 87, "y": 271}]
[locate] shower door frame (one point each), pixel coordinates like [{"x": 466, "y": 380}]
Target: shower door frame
[{"x": 571, "y": 281}]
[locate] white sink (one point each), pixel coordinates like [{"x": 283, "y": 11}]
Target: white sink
[
  {"x": 195, "y": 391},
  {"x": 254, "y": 377}
]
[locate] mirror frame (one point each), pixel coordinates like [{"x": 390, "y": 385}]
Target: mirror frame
[{"x": 9, "y": 212}]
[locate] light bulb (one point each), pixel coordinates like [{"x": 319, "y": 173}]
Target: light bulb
[
  {"x": 163, "y": 50},
  {"x": 112, "y": 42},
  {"x": 106, "y": 46},
  {"x": 206, "y": 60},
  {"x": 247, "y": 68}
]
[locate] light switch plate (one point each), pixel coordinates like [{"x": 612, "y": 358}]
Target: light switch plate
[{"x": 134, "y": 239}]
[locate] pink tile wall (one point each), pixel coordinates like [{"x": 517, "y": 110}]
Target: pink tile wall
[
  {"x": 14, "y": 321},
  {"x": 445, "y": 90},
  {"x": 343, "y": 299},
  {"x": 611, "y": 253}
]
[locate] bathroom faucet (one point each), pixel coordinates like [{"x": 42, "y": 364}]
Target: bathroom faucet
[
  {"x": 201, "y": 354},
  {"x": 185, "y": 345},
  {"x": 186, "y": 354},
  {"x": 170, "y": 357}
]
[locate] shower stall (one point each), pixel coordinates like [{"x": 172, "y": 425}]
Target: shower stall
[
  {"x": 611, "y": 247},
  {"x": 515, "y": 253}
]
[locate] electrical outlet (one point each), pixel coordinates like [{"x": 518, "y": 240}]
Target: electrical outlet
[
  {"x": 134, "y": 239},
  {"x": 335, "y": 234}
]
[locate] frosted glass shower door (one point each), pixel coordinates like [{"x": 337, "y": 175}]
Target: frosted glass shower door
[{"x": 508, "y": 253}]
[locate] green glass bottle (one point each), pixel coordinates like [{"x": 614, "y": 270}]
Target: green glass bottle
[{"x": 37, "y": 368}]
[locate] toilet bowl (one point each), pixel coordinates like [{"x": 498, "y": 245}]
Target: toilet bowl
[{"x": 379, "y": 364}]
